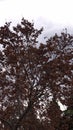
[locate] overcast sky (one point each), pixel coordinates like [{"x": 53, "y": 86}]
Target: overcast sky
[{"x": 53, "y": 14}]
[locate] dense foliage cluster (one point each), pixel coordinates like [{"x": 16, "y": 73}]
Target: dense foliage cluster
[{"x": 34, "y": 79}]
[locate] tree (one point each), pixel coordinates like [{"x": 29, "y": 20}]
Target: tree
[
  {"x": 19, "y": 81},
  {"x": 33, "y": 79},
  {"x": 59, "y": 73}
]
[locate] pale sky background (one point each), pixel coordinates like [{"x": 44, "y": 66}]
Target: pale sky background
[{"x": 54, "y": 15}]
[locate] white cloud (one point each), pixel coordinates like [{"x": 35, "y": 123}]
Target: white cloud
[
  {"x": 55, "y": 13},
  {"x": 54, "y": 10}
]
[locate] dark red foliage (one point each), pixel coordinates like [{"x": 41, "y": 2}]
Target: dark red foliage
[{"x": 34, "y": 79}]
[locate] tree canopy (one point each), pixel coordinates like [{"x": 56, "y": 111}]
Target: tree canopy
[{"x": 34, "y": 79}]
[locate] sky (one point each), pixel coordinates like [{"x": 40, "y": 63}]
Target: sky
[{"x": 52, "y": 14}]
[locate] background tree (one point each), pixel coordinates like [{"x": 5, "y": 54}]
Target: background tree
[{"x": 33, "y": 79}]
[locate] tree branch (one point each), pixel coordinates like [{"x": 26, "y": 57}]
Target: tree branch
[
  {"x": 23, "y": 115},
  {"x": 6, "y": 122}
]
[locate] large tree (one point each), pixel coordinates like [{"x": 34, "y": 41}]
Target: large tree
[
  {"x": 33, "y": 79},
  {"x": 19, "y": 72}
]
